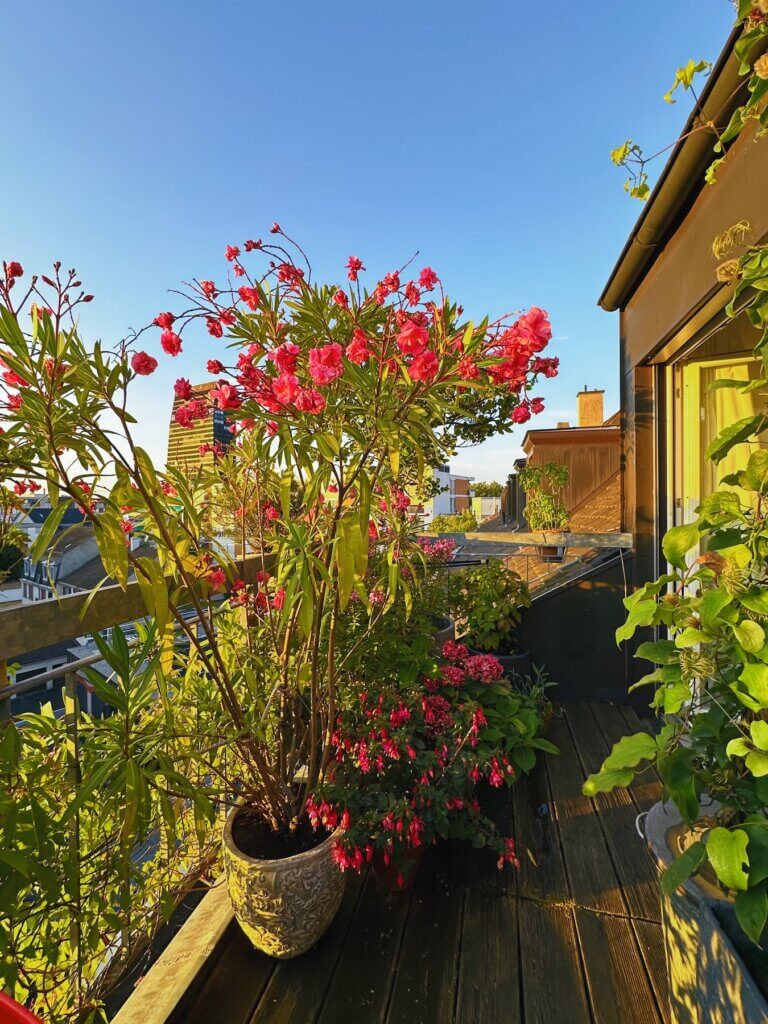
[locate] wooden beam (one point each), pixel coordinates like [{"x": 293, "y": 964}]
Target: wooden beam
[
  {"x": 565, "y": 540},
  {"x": 28, "y": 627}
]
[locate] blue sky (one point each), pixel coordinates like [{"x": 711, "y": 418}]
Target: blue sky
[{"x": 139, "y": 139}]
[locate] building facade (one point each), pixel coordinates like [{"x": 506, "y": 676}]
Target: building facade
[
  {"x": 676, "y": 340},
  {"x": 193, "y": 446}
]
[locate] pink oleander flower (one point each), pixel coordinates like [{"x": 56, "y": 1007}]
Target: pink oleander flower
[
  {"x": 164, "y": 320},
  {"x": 428, "y": 278},
  {"x": 354, "y": 266},
  {"x": 424, "y": 367},
  {"x": 325, "y": 364},
  {"x": 412, "y": 339},
  {"x": 141, "y": 363},
  {"x": 357, "y": 350},
  {"x": 183, "y": 389}
]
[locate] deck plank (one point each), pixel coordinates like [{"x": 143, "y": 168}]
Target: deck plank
[
  {"x": 618, "y": 984},
  {"x": 572, "y": 936},
  {"x": 551, "y": 971},
  {"x": 650, "y": 938},
  {"x": 488, "y": 988},
  {"x": 542, "y": 871},
  {"x": 424, "y": 991},
  {"x": 360, "y": 987},
  {"x": 297, "y": 988},
  {"x": 225, "y": 996},
  {"x": 593, "y": 880},
  {"x": 617, "y": 812}
]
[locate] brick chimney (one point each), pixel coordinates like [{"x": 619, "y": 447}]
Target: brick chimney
[{"x": 590, "y": 408}]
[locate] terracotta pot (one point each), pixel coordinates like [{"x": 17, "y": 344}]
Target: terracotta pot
[
  {"x": 550, "y": 552},
  {"x": 284, "y": 905},
  {"x": 400, "y": 873}
]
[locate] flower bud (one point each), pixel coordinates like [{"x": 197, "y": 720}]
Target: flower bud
[{"x": 728, "y": 272}]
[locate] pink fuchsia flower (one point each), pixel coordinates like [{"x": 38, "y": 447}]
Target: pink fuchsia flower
[
  {"x": 214, "y": 327},
  {"x": 412, "y": 339},
  {"x": 484, "y": 668},
  {"x": 453, "y": 675},
  {"x": 341, "y": 299},
  {"x": 142, "y": 363},
  {"x": 428, "y": 278},
  {"x": 424, "y": 367},
  {"x": 182, "y": 389},
  {"x": 325, "y": 364},
  {"x": 509, "y": 855},
  {"x": 311, "y": 401},
  {"x": 357, "y": 350},
  {"x": 170, "y": 343},
  {"x": 225, "y": 396},
  {"x": 164, "y": 320},
  {"x": 354, "y": 266},
  {"x": 286, "y": 388},
  {"x": 453, "y": 651},
  {"x": 231, "y": 253}
]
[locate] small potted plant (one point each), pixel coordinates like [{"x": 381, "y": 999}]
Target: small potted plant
[
  {"x": 487, "y": 600},
  {"x": 406, "y": 760},
  {"x": 545, "y": 511}
]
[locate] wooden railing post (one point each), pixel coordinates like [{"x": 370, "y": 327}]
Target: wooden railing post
[{"x": 71, "y": 721}]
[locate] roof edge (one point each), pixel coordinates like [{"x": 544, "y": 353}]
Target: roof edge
[{"x": 682, "y": 175}]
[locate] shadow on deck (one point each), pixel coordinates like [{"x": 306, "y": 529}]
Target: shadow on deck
[{"x": 574, "y": 936}]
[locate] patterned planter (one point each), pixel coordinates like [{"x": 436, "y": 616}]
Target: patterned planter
[
  {"x": 285, "y": 905},
  {"x": 710, "y": 982}
]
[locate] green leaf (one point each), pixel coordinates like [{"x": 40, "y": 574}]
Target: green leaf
[
  {"x": 605, "y": 781},
  {"x": 737, "y": 747},
  {"x": 751, "y": 909},
  {"x": 712, "y": 603},
  {"x": 732, "y": 435},
  {"x": 756, "y": 473},
  {"x": 690, "y": 637},
  {"x": 631, "y": 750},
  {"x": 681, "y": 869},
  {"x": 641, "y": 614},
  {"x": 727, "y": 853},
  {"x": 759, "y": 732},
  {"x": 755, "y": 680},
  {"x": 756, "y": 600},
  {"x": 757, "y": 764},
  {"x": 660, "y": 652},
  {"x": 749, "y": 635},
  {"x": 678, "y": 541}
]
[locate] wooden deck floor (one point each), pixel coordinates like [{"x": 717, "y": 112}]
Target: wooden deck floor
[{"x": 574, "y": 936}]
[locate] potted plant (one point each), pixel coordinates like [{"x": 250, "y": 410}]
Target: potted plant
[
  {"x": 330, "y": 394},
  {"x": 534, "y": 688},
  {"x": 711, "y": 686},
  {"x": 407, "y": 758},
  {"x": 487, "y": 600},
  {"x": 545, "y": 511}
]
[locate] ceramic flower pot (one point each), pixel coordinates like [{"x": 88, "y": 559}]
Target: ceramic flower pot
[
  {"x": 284, "y": 905},
  {"x": 400, "y": 873}
]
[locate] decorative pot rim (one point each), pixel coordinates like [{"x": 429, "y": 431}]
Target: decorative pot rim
[{"x": 293, "y": 859}]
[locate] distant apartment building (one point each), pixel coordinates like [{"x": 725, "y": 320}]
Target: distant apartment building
[
  {"x": 453, "y": 497},
  {"x": 193, "y": 446}
]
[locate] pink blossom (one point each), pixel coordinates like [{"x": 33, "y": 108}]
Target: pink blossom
[
  {"x": 412, "y": 339},
  {"x": 325, "y": 363},
  {"x": 428, "y": 278},
  {"x": 424, "y": 367}
]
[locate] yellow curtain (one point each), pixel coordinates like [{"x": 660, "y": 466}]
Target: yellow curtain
[{"x": 719, "y": 408}]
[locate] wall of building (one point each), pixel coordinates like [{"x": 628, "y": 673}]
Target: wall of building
[{"x": 591, "y": 457}]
